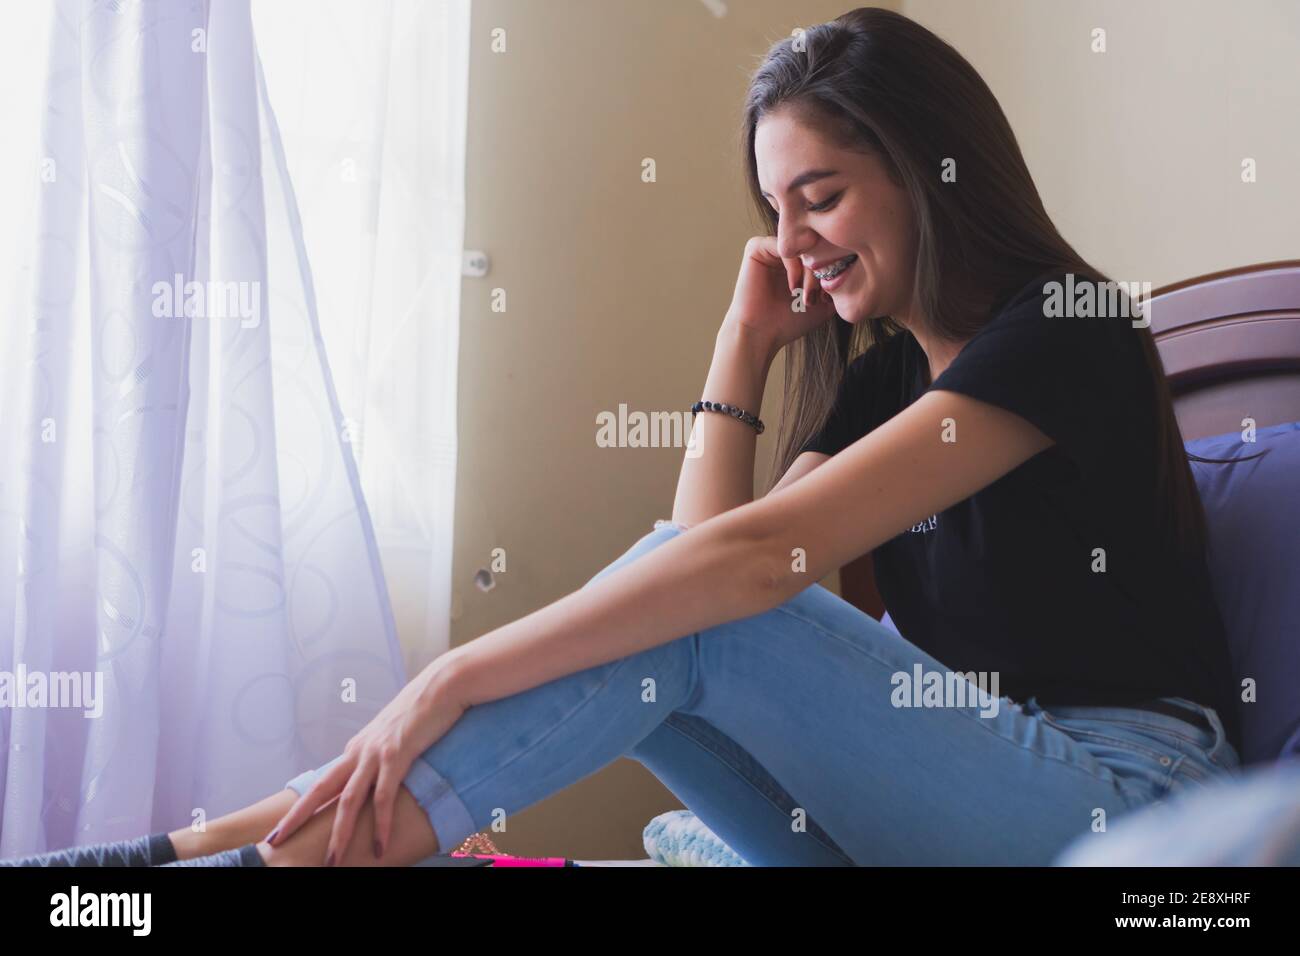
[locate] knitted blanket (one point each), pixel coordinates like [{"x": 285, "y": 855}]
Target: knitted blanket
[{"x": 678, "y": 838}]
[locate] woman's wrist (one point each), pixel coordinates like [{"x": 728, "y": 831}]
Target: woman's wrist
[
  {"x": 735, "y": 339},
  {"x": 446, "y": 678}
]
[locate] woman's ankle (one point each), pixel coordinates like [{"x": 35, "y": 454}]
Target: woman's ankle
[
  {"x": 189, "y": 843},
  {"x": 234, "y": 830}
]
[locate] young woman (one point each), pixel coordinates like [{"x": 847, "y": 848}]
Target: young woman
[{"x": 1018, "y": 475}]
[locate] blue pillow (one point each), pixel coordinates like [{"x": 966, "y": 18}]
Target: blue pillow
[
  {"x": 1253, "y": 516},
  {"x": 1252, "y": 511}
]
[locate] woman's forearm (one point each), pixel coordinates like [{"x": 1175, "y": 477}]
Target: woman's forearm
[
  {"x": 720, "y": 571},
  {"x": 721, "y": 477}
]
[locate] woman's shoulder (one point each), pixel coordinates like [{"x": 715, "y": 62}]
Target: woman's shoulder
[
  {"x": 1024, "y": 293},
  {"x": 1063, "y": 320},
  {"x": 1064, "y": 294},
  {"x": 1080, "y": 378}
]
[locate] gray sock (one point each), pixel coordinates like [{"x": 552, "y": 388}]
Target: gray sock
[
  {"x": 153, "y": 850},
  {"x": 244, "y": 856}
]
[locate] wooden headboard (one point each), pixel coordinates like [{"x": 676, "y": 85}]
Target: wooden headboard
[{"x": 1230, "y": 345}]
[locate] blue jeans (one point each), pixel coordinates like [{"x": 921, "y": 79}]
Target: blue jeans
[{"x": 781, "y": 733}]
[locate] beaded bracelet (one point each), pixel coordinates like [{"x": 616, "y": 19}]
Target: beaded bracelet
[{"x": 731, "y": 410}]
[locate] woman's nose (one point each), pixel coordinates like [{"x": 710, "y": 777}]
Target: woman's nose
[{"x": 792, "y": 239}]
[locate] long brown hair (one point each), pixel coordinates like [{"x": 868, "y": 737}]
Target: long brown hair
[{"x": 873, "y": 80}]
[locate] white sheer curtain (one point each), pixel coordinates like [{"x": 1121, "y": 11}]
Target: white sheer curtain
[
  {"x": 180, "y": 510},
  {"x": 371, "y": 98}
]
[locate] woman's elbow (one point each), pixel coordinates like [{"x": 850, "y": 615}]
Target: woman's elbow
[{"x": 770, "y": 570}]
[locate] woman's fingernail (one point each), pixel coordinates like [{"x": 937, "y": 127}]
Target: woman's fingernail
[
  {"x": 274, "y": 834},
  {"x": 379, "y": 849},
  {"x": 329, "y": 860}
]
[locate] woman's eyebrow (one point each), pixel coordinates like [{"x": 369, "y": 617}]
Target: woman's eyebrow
[{"x": 803, "y": 179}]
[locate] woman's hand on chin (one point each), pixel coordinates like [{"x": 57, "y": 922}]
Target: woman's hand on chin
[{"x": 763, "y": 304}]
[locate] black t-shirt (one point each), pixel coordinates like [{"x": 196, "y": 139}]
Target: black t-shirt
[{"x": 1009, "y": 579}]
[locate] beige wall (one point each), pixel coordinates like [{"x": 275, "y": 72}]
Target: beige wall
[
  {"x": 1137, "y": 151},
  {"x": 616, "y": 287}
]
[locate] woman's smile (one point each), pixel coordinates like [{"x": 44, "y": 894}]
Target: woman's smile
[{"x": 836, "y": 275}]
